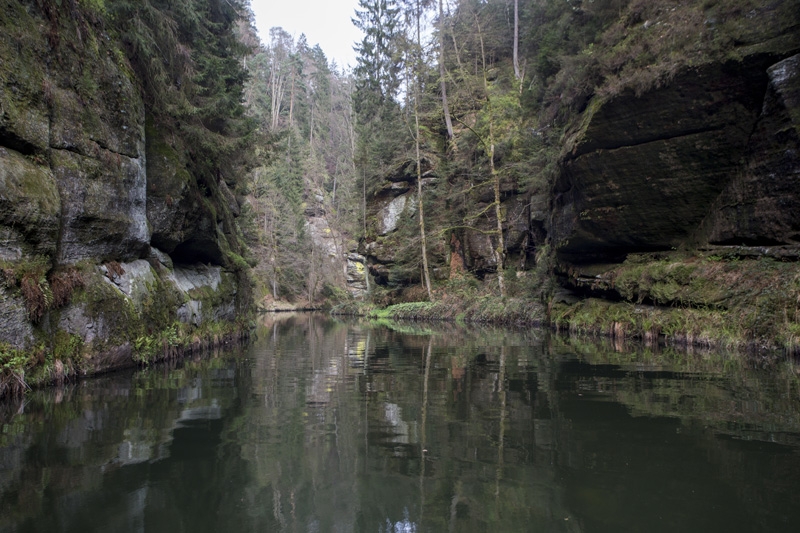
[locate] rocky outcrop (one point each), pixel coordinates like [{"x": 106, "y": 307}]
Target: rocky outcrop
[
  {"x": 106, "y": 236},
  {"x": 761, "y": 205},
  {"x": 30, "y": 207},
  {"x": 710, "y": 157},
  {"x": 693, "y": 152},
  {"x": 642, "y": 171},
  {"x": 356, "y": 276},
  {"x": 185, "y": 222}
]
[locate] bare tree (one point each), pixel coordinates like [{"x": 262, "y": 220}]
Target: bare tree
[
  {"x": 445, "y": 108},
  {"x": 516, "y": 39},
  {"x": 420, "y": 206},
  {"x": 499, "y": 250}
]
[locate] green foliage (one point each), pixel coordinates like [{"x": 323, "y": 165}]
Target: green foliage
[
  {"x": 146, "y": 348},
  {"x": 718, "y": 302},
  {"x": 380, "y": 58},
  {"x": 12, "y": 360},
  {"x": 13, "y": 365},
  {"x": 238, "y": 261},
  {"x": 97, "y": 6}
]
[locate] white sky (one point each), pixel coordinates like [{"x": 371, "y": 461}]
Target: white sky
[{"x": 325, "y": 22}]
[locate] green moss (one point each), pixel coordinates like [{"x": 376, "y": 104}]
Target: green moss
[
  {"x": 66, "y": 346},
  {"x": 106, "y": 304},
  {"x": 159, "y": 306},
  {"x": 30, "y": 189},
  {"x": 98, "y": 7},
  {"x": 237, "y": 261},
  {"x": 735, "y": 302}
]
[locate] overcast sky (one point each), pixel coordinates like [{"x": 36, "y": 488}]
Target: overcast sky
[{"x": 325, "y": 22}]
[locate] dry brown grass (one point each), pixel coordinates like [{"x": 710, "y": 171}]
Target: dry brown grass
[
  {"x": 63, "y": 284},
  {"x": 35, "y": 296},
  {"x": 114, "y": 269}
]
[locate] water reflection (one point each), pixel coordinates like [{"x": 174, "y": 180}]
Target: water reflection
[{"x": 324, "y": 425}]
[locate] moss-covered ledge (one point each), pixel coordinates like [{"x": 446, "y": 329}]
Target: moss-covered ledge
[
  {"x": 91, "y": 319},
  {"x": 738, "y": 298},
  {"x": 723, "y": 297}
]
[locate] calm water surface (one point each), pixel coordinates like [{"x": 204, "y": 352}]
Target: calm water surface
[{"x": 322, "y": 425}]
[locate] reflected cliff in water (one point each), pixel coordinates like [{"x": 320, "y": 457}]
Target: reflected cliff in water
[{"x": 324, "y": 425}]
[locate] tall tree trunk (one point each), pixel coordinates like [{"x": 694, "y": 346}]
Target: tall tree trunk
[
  {"x": 420, "y": 206},
  {"x": 291, "y": 102},
  {"x": 499, "y": 249},
  {"x": 364, "y": 200},
  {"x": 423, "y": 238},
  {"x": 516, "y": 39},
  {"x": 311, "y": 128},
  {"x": 277, "y": 81},
  {"x": 445, "y": 107}
]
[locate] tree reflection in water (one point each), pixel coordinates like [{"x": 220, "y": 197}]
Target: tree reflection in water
[{"x": 326, "y": 425}]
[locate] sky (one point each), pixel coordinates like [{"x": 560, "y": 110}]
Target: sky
[{"x": 325, "y": 22}]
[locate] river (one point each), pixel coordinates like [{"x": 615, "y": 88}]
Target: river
[{"x": 321, "y": 425}]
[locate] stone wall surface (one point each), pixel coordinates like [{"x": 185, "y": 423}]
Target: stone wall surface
[{"x": 92, "y": 192}]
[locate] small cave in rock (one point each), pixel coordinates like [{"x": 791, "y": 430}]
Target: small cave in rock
[
  {"x": 583, "y": 290},
  {"x": 197, "y": 251},
  {"x": 13, "y": 142}
]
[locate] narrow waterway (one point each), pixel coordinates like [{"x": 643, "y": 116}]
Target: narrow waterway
[{"x": 323, "y": 425}]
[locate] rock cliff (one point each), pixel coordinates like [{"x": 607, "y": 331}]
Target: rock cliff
[
  {"x": 107, "y": 240},
  {"x": 643, "y": 173}
]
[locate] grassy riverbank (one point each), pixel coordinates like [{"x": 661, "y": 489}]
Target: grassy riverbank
[
  {"x": 675, "y": 298},
  {"x": 67, "y": 358}
]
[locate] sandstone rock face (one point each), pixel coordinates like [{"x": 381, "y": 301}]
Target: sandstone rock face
[
  {"x": 188, "y": 278},
  {"x": 89, "y": 193},
  {"x": 30, "y": 207},
  {"x": 208, "y": 291},
  {"x": 390, "y": 214},
  {"x": 133, "y": 279},
  {"x": 15, "y": 328},
  {"x": 84, "y": 115},
  {"x": 103, "y": 207},
  {"x": 643, "y": 172},
  {"x": 357, "y": 275},
  {"x": 77, "y": 113},
  {"x": 75, "y": 320},
  {"x": 761, "y": 206},
  {"x": 392, "y": 255},
  {"x": 193, "y": 295},
  {"x": 324, "y": 237},
  {"x": 183, "y": 222}
]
